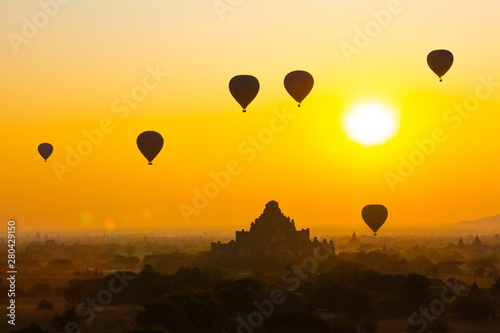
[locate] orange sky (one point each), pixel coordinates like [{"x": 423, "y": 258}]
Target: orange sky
[{"x": 69, "y": 75}]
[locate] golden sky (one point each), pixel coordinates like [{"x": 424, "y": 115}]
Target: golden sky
[{"x": 70, "y": 74}]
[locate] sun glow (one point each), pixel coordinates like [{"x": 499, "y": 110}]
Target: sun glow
[{"x": 370, "y": 124}]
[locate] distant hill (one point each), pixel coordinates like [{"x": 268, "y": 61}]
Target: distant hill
[{"x": 485, "y": 224}]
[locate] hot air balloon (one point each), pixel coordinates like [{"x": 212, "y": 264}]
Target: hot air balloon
[
  {"x": 244, "y": 88},
  {"x": 440, "y": 62},
  {"x": 299, "y": 84},
  {"x": 150, "y": 144},
  {"x": 374, "y": 216},
  {"x": 45, "y": 150}
]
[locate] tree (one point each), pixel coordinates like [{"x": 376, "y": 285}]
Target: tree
[
  {"x": 186, "y": 311},
  {"x": 344, "y": 327},
  {"x": 80, "y": 291},
  {"x": 479, "y": 271},
  {"x": 148, "y": 269},
  {"x": 416, "y": 288},
  {"x": 493, "y": 274},
  {"x": 479, "y": 310},
  {"x": 450, "y": 267},
  {"x": 60, "y": 264},
  {"x": 70, "y": 315},
  {"x": 4, "y": 290},
  {"x": 33, "y": 328},
  {"x": 485, "y": 262},
  {"x": 437, "y": 325},
  {"x": 130, "y": 249},
  {"x": 249, "y": 282},
  {"x": 341, "y": 299},
  {"x": 119, "y": 260},
  {"x": 236, "y": 298},
  {"x": 152, "y": 328},
  {"x": 165, "y": 314},
  {"x": 45, "y": 305},
  {"x": 495, "y": 289},
  {"x": 296, "y": 322},
  {"x": 368, "y": 326},
  {"x": 41, "y": 289}
]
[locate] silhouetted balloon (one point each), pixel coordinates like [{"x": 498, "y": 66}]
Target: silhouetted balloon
[
  {"x": 244, "y": 88},
  {"x": 440, "y": 62},
  {"x": 150, "y": 144},
  {"x": 45, "y": 150},
  {"x": 374, "y": 216},
  {"x": 299, "y": 84}
]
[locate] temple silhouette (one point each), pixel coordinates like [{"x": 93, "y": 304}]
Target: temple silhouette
[
  {"x": 272, "y": 234},
  {"x": 354, "y": 242},
  {"x": 476, "y": 243}
]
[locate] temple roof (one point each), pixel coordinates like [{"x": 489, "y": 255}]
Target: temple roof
[
  {"x": 273, "y": 218},
  {"x": 272, "y": 209},
  {"x": 354, "y": 241},
  {"x": 273, "y": 227}
]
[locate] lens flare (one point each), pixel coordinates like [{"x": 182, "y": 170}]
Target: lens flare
[
  {"x": 86, "y": 218},
  {"x": 110, "y": 224},
  {"x": 370, "y": 124}
]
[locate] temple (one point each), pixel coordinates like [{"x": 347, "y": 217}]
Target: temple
[
  {"x": 354, "y": 242},
  {"x": 272, "y": 234},
  {"x": 477, "y": 242}
]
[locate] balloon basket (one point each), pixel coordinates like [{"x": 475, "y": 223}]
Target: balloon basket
[{"x": 150, "y": 163}]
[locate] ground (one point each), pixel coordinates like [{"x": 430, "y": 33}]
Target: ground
[{"x": 115, "y": 318}]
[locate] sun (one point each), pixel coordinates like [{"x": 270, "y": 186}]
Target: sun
[{"x": 370, "y": 124}]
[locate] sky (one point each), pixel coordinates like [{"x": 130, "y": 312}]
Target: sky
[{"x": 90, "y": 76}]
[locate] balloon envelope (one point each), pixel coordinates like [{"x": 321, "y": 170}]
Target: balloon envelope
[
  {"x": 374, "y": 216},
  {"x": 150, "y": 144},
  {"x": 45, "y": 150},
  {"x": 299, "y": 84},
  {"x": 440, "y": 62},
  {"x": 244, "y": 88}
]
